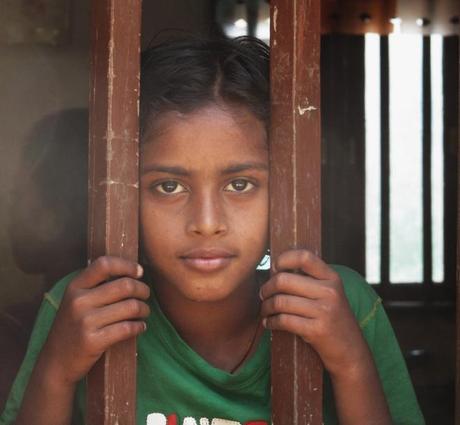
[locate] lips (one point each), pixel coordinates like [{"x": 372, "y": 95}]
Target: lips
[{"x": 207, "y": 260}]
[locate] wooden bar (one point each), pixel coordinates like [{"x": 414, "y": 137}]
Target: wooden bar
[
  {"x": 295, "y": 204},
  {"x": 457, "y": 380},
  {"x": 343, "y": 150},
  {"x": 426, "y": 163},
  {"x": 385, "y": 161},
  {"x": 113, "y": 186},
  {"x": 451, "y": 108}
]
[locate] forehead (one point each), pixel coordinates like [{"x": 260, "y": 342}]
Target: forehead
[{"x": 214, "y": 132}]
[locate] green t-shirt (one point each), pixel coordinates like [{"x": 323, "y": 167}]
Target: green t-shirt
[{"x": 175, "y": 386}]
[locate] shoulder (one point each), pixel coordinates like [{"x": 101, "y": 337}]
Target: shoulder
[
  {"x": 48, "y": 309},
  {"x": 42, "y": 326},
  {"x": 377, "y": 330},
  {"x": 54, "y": 296},
  {"x": 362, "y": 298}
]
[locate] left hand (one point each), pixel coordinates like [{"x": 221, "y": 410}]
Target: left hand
[{"x": 306, "y": 297}]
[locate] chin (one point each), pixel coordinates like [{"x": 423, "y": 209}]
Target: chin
[
  {"x": 205, "y": 294},
  {"x": 211, "y": 289}
]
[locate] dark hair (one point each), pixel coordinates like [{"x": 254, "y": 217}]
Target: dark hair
[{"x": 184, "y": 75}]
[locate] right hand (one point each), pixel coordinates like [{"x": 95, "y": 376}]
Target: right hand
[{"x": 96, "y": 312}]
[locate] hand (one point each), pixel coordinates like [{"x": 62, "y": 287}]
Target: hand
[
  {"x": 306, "y": 297},
  {"x": 94, "y": 315}
]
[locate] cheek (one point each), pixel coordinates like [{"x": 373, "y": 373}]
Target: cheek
[
  {"x": 264, "y": 224},
  {"x": 253, "y": 223},
  {"x": 154, "y": 228}
]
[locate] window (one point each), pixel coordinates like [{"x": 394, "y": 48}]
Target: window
[{"x": 404, "y": 145}]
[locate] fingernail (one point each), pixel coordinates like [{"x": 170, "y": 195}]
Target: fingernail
[
  {"x": 140, "y": 270},
  {"x": 264, "y": 323},
  {"x": 145, "y": 326},
  {"x": 260, "y": 294}
]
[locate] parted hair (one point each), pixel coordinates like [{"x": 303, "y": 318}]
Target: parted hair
[{"x": 184, "y": 75}]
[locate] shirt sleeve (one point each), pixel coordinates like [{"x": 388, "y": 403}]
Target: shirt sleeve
[
  {"x": 42, "y": 326},
  {"x": 377, "y": 330},
  {"x": 392, "y": 370}
]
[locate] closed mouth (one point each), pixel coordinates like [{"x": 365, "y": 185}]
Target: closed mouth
[{"x": 207, "y": 260}]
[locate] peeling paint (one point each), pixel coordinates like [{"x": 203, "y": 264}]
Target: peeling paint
[
  {"x": 302, "y": 110},
  {"x": 123, "y": 239},
  {"x": 275, "y": 19},
  {"x": 296, "y": 383},
  {"x": 109, "y": 138},
  {"x": 114, "y": 182},
  {"x": 110, "y": 78}
]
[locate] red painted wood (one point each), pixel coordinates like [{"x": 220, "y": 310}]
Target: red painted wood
[
  {"x": 457, "y": 381},
  {"x": 113, "y": 186},
  {"x": 295, "y": 208}
]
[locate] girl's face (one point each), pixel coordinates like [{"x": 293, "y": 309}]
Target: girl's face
[{"x": 204, "y": 201}]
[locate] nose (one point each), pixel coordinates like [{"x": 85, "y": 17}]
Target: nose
[{"x": 207, "y": 216}]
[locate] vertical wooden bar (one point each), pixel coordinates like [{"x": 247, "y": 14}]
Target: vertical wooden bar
[
  {"x": 385, "y": 161},
  {"x": 451, "y": 109},
  {"x": 426, "y": 164},
  {"x": 113, "y": 186},
  {"x": 457, "y": 380},
  {"x": 295, "y": 205},
  {"x": 343, "y": 150}
]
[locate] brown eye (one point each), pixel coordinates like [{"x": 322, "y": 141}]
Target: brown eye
[
  {"x": 239, "y": 185},
  {"x": 169, "y": 187}
]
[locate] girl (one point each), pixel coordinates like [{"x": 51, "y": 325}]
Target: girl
[{"x": 197, "y": 304}]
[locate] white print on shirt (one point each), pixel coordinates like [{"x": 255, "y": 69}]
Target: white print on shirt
[{"x": 160, "y": 419}]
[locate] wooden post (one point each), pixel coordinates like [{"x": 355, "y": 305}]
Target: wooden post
[
  {"x": 295, "y": 190},
  {"x": 113, "y": 186},
  {"x": 457, "y": 381}
]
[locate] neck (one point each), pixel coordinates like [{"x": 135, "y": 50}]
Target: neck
[{"x": 222, "y": 332}]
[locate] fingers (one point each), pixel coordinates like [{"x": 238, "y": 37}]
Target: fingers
[
  {"x": 130, "y": 309},
  {"x": 305, "y": 261},
  {"x": 117, "y": 332},
  {"x": 302, "y": 303},
  {"x": 301, "y": 326},
  {"x": 293, "y": 284},
  {"x": 106, "y": 268},
  {"x": 99, "y": 329},
  {"x": 117, "y": 290},
  {"x": 288, "y": 304}
]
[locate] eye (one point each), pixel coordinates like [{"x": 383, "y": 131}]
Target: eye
[
  {"x": 169, "y": 187},
  {"x": 239, "y": 185}
]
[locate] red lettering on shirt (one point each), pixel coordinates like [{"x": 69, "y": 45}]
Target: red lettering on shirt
[
  {"x": 160, "y": 419},
  {"x": 171, "y": 420}
]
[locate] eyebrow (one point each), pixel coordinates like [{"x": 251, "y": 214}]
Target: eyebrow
[
  {"x": 238, "y": 168},
  {"x": 181, "y": 171}
]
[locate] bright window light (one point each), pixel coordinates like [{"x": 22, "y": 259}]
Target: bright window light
[
  {"x": 437, "y": 160},
  {"x": 406, "y": 202},
  {"x": 241, "y": 24},
  {"x": 373, "y": 169}
]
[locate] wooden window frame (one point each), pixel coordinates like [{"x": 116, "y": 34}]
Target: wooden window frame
[
  {"x": 113, "y": 188},
  {"x": 295, "y": 190}
]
